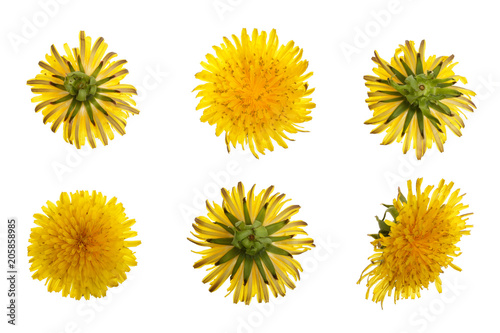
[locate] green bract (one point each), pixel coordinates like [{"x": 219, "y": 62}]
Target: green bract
[
  {"x": 80, "y": 85},
  {"x": 385, "y": 229},
  {"x": 251, "y": 241},
  {"x": 420, "y": 92},
  {"x": 84, "y": 89}
]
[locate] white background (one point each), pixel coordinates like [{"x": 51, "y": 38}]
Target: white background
[{"x": 169, "y": 162}]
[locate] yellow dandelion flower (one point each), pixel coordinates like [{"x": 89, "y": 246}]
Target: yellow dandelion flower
[
  {"x": 416, "y": 98},
  {"x": 251, "y": 241},
  {"x": 412, "y": 250},
  {"x": 255, "y": 91},
  {"x": 82, "y": 90},
  {"x": 81, "y": 245}
]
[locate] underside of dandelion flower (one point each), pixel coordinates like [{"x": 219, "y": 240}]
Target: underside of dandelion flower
[
  {"x": 82, "y": 90},
  {"x": 412, "y": 250},
  {"x": 255, "y": 91},
  {"x": 81, "y": 245},
  {"x": 414, "y": 99},
  {"x": 251, "y": 240}
]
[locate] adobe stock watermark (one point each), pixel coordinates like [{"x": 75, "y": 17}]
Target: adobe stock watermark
[
  {"x": 486, "y": 87},
  {"x": 226, "y": 177},
  {"x": 88, "y": 311},
  {"x": 311, "y": 261},
  {"x": 73, "y": 159},
  {"x": 363, "y": 35},
  {"x": 151, "y": 81},
  {"x": 420, "y": 320},
  {"x": 222, "y": 7},
  {"x": 406, "y": 168},
  {"x": 31, "y": 25}
]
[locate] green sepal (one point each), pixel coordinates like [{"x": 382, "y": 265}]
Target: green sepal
[
  {"x": 408, "y": 70},
  {"x": 272, "y": 228},
  {"x": 104, "y": 90},
  {"x": 434, "y": 121},
  {"x": 241, "y": 235},
  {"x": 401, "y": 197},
  {"x": 58, "y": 86},
  {"x": 80, "y": 65},
  {"x": 262, "y": 272},
  {"x": 266, "y": 241},
  {"x": 237, "y": 264},
  {"x": 102, "y": 81},
  {"x": 420, "y": 68},
  {"x": 409, "y": 117},
  {"x": 261, "y": 232},
  {"x": 246, "y": 244},
  {"x": 246, "y": 215},
  {"x": 443, "y": 93},
  {"x": 384, "y": 227},
  {"x": 70, "y": 66},
  {"x": 90, "y": 113},
  {"x": 256, "y": 224},
  {"x": 445, "y": 80},
  {"x": 401, "y": 98},
  {"x": 104, "y": 98},
  {"x": 446, "y": 84},
  {"x": 391, "y": 210},
  {"x": 437, "y": 70},
  {"x": 276, "y": 250},
  {"x": 441, "y": 107},
  {"x": 402, "y": 107},
  {"x": 247, "y": 268},
  {"x": 388, "y": 92},
  {"x": 262, "y": 213},
  {"x": 97, "y": 105},
  {"x": 280, "y": 238},
  {"x": 420, "y": 121},
  {"x": 75, "y": 111},
  {"x": 81, "y": 95},
  {"x": 400, "y": 76},
  {"x": 97, "y": 70},
  {"x": 220, "y": 241},
  {"x": 230, "y": 217},
  {"x": 225, "y": 227},
  {"x": 254, "y": 248},
  {"x": 70, "y": 109},
  {"x": 240, "y": 225},
  {"x": 269, "y": 264},
  {"x": 62, "y": 99},
  {"x": 58, "y": 77},
  {"x": 400, "y": 88},
  {"x": 228, "y": 256}
]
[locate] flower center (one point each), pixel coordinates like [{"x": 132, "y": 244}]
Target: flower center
[
  {"x": 251, "y": 237},
  {"x": 423, "y": 90},
  {"x": 420, "y": 88},
  {"x": 82, "y": 240},
  {"x": 254, "y": 95},
  {"x": 80, "y": 85}
]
